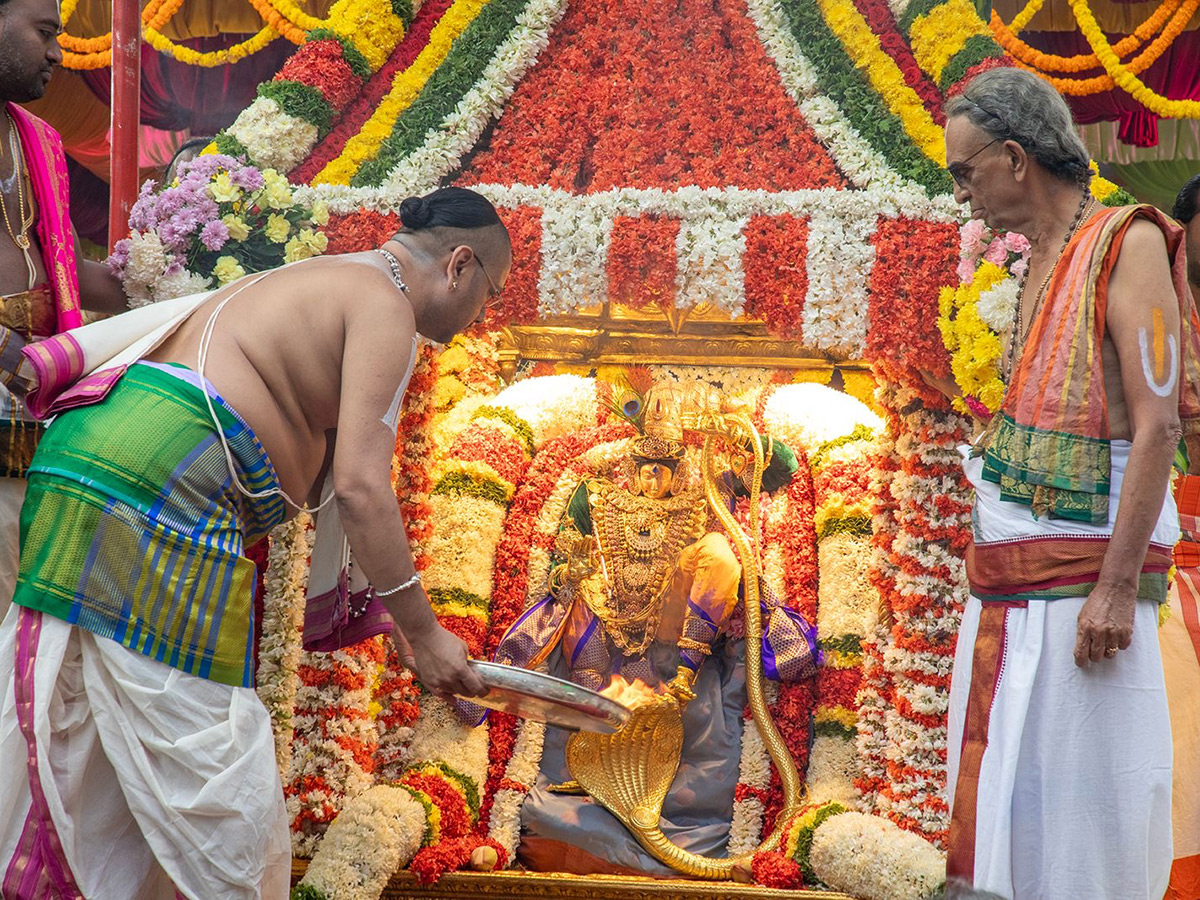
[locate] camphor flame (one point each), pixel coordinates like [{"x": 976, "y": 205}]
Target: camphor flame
[{"x": 629, "y": 693}]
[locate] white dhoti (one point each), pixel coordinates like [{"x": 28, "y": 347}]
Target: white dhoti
[
  {"x": 1059, "y": 777},
  {"x": 125, "y": 779}
]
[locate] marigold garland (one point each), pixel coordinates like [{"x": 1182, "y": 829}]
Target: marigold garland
[
  {"x": 1049, "y": 62},
  {"x": 1124, "y": 75},
  {"x": 1100, "y": 83}
]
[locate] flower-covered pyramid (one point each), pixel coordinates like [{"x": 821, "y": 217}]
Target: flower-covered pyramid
[{"x": 779, "y": 159}]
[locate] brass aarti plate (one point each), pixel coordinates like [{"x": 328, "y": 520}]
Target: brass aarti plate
[{"x": 544, "y": 698}]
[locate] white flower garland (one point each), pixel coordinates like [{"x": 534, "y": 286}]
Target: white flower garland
[
  {"x": 576, "y": 228},
  {"x": 839, "y": 259},
  {"x": 861, "y": 163},
  {"x": 505, "y": 823},
  {"x": 326, "y": 718},
  {"x": 376, "y": 834},
  {"x": 708, "y": 254},
  {"x": 832, "y": 767},
  {"x": 870, "y": 858},
  {"x": 274, "y": 139},
  {"x": 285, "y": 584}
]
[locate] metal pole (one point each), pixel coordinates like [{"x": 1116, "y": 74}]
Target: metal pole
[{"x": 126, "y": 115}]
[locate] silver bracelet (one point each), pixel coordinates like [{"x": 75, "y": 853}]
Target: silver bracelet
[{"x": 402, "y": 586}]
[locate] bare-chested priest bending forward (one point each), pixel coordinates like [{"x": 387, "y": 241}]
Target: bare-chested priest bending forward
[{"x": 136, "y": 758}]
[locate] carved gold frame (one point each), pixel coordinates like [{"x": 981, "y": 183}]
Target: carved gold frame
[
  {"x": 516, "y": 885},
  {"x": 615, "y": 335}
]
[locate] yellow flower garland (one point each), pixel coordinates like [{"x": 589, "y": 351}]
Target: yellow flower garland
[
  {"x": 939, "y": 34},
  {"x": 1126, "y": 80},
  {"x": 163, "y": 44},
  {"x": 1021, "y": 19},
  {"x": 848, "y": 24},
  {"x": 365, "y": 145},
  {"x": 974, "y": 348}
]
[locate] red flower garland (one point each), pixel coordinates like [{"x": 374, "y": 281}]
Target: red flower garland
[
  {"x": 774, "y": 870},
  {"x": 431, "y": 863},
  {"x": 320, "y": 64},
  {"x": 913, "y": 260},
  {"x": 519, "y": 302},
  {"x": 776, "y": 275},
  {"x": 373, "y": 92},
  {"x": 454, "y": 817},
  {"x": 358, "y": 231},
  {"x": 641, "y": 261},
  {"x": 879, "y": 16},
  {"x": 586, "y": 119}
]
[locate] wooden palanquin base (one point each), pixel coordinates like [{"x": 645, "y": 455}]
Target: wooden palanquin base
[{"x": 515, "y": 885}]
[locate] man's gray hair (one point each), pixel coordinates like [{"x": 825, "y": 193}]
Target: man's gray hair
[{"x": 1015, "y": 105}]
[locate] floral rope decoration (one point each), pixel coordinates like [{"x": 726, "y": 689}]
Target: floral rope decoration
[
  {"x": 925, "y": 588},
  {"x": 333, "y": 754},
  {"x": 283, "y": 621}
]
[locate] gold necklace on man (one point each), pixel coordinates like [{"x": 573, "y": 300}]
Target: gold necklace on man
[
  {"x": 1020, "y": 331},
  {"x": 24, "y": 196}
]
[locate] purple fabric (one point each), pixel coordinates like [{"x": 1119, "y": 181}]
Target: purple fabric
[
  {"x": 329, "y": 624},
  {"x": 1175, "y": 74}
]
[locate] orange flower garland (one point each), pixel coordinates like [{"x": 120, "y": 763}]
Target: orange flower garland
[
  {"x": 1101, "y": 83},
  {"x": 1049, "y": 62}
]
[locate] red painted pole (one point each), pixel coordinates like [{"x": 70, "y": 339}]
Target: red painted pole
[{"x": 126, "y": 115}]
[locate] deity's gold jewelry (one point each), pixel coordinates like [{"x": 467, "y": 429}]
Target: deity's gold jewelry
[
  {"x": 698, "y": 646},
  {"x": 639, "y": 540},
  {"x": 21, "y": 238}
]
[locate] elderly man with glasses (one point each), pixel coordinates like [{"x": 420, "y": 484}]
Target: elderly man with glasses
[{"x": 1059, "y": 740}]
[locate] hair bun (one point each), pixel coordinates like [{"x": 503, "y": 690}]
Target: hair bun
[{"x": 415, "y": 213}]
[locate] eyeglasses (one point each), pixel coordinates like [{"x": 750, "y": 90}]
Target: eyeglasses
[
  {"x": 960, "y": 171},
  {"x": 493, "y": 300}
]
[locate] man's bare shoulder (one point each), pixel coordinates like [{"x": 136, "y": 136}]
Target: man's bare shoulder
[{"x": 1144, "y": 247}]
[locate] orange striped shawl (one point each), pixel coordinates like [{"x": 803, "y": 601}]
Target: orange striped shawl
[{"x": 1049, "y": 446}]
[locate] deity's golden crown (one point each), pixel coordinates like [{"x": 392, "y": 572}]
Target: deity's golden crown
[{"x": 657, "y": 448}]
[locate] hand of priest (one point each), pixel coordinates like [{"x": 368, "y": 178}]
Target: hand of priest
[
  {"x": 1105, "y": 623},
  {"x": 440, "y": 662}
]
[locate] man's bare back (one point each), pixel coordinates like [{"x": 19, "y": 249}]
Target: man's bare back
[{"x": 277, "y": 352}]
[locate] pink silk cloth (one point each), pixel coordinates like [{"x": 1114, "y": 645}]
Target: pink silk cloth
[{"x": 47, "y": 166}]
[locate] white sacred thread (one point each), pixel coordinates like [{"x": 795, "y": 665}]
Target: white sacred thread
[
  {"x": 1162, "y": 390},
  {"x": 392, "y": 417}
]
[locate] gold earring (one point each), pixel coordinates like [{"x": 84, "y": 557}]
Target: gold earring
[{"x": 454, "y": 286}]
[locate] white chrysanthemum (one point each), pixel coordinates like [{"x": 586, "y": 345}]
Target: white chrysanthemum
[
  {"x": 872, "y": 858},
  {"x": 998, "y": 304},
  {"x": 180, "y": 284},
  {"x": 147, "y": 261},
  {"x": 273, "y": 138},
  {"x": 809, "y": 415},
  {"x": 848, "y": 602},
  {"x": 551, "y": 406},
  {"x": 832, "y": 768},
  {"x": 385, "y": 819}
]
